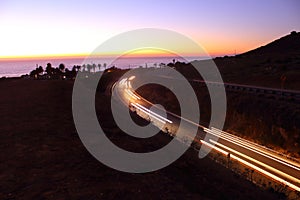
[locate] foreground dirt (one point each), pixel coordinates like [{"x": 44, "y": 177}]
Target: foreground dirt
[{"x": 42, "y": 157}]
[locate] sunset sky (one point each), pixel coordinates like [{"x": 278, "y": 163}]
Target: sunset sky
[{"x": 43, "y": 28}]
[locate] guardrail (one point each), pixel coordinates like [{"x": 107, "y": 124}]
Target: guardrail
[{"x": 291, "y": 95}]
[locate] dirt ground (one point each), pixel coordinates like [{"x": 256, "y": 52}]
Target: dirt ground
[{"x": 42, "y": 157}]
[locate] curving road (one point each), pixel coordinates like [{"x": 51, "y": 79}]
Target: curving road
[{"x": 265, "y": 161}]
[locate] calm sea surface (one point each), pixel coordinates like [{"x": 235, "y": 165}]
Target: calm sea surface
[{"x": 15, "y": 68}]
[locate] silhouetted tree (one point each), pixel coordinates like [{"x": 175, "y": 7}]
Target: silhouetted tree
[
  {"x": 49, "y": 69},
  {"x": 69, "y": 74},
  {"x": 94, "y": 67},
  {"x": 171, "y": 65},
  {"x": 74, "y": 68},
  {"x": 83, "y": 68},
  {"x": 40, "y": 70},
  {"x": 56, "y": 71},
  {"x": 293, "y": 33},
  {"x": 99, "y": 67},
  {"x": 36, "y": 72},
  {"x": 61, "y": 67},
  {"x": 33, "y": 73},
  {"x": 89, "y": 68}
]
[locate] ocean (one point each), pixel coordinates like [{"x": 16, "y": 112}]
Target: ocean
[{"x": 16, "y": 68}]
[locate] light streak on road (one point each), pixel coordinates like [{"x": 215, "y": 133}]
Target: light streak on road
[
  {"x": 253, "y": 160},
  {"x": 245, "y": 145},
  {"x": 151, "y": 112},
  {"x": 264, "y": 149},
  {"x": 132, "y": 94},
  {"x": 266, "y": 173},
  {"x": 129, "y": 84},
  {"x": 258, "y": 162},
  {"x": 123, "y": 81},
  {"x": 131, "y": 78},
  {"x": 148, "y": 113},
  {"x": 214, "y": 147}
]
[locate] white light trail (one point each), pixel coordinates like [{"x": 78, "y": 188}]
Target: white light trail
[
  {"x": 230, "y": 138},
  {"x": 150, "y": 111},
  {"x": 214, "y": 147},
  {"x": 132, "y": 94},
  {"x": 260, "y": 163},
  {"x": 266, "y": 173},
  {"x": 243, "y": 144},
  {"x": 131, "y": 78},
  {"x": 264, "y": 149},
  {"x": 123, "y": 81},
  {"x": 129, "y": 84}
]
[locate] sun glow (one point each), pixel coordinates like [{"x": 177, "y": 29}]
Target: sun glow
[{"x": 135, "y": 53}]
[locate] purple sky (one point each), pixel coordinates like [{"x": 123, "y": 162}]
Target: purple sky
[{"x": 31, "y": 28}]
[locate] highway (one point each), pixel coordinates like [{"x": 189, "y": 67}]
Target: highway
[{"x": 259, "y": 158}]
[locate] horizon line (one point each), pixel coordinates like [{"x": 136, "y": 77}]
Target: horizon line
[{"x": 84, "y": 55}]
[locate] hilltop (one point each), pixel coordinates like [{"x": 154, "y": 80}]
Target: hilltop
[
  {"x": 265, "y": 65},
  {"x": 289, "y": 45}
]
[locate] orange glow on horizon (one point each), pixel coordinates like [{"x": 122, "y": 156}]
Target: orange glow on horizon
[
  {"x": 135, "y": 53},
  {"x": 211, "y": 46}
]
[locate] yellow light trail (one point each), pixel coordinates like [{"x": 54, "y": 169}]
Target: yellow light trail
[
  {"x": 153, "y": 113},
  {"x": 148, "y": 113},
  {"x": 132, "y": 94},
  {"x": 268, "y": 151},
  {"x": 214, "y": 147},
  {"x": 262, "y": 164},
  {"x": 243, "y": 144},
  {"x": 229, "y": 138}
]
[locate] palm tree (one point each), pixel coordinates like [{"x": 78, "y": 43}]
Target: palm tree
[
  {"x": 89, "y": 68},
  {"x": 61, "y": 67},
  {"x": 94, "y": 67},
  {"x": 40, "y": 70},
  {"x": 99, "y": 67},
  {"x": 83, "y": 67},
  {"x": 49, "y": 69},
  {"x": 74, "y": 68}
]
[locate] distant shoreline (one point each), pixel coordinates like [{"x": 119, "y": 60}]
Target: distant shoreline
[{"x": 17, "y": 68}]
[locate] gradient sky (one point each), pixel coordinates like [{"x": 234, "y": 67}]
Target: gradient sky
[{"x": 35, "y": 28}]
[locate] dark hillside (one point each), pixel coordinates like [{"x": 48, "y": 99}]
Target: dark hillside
[{"x": 265, "y": 65}]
